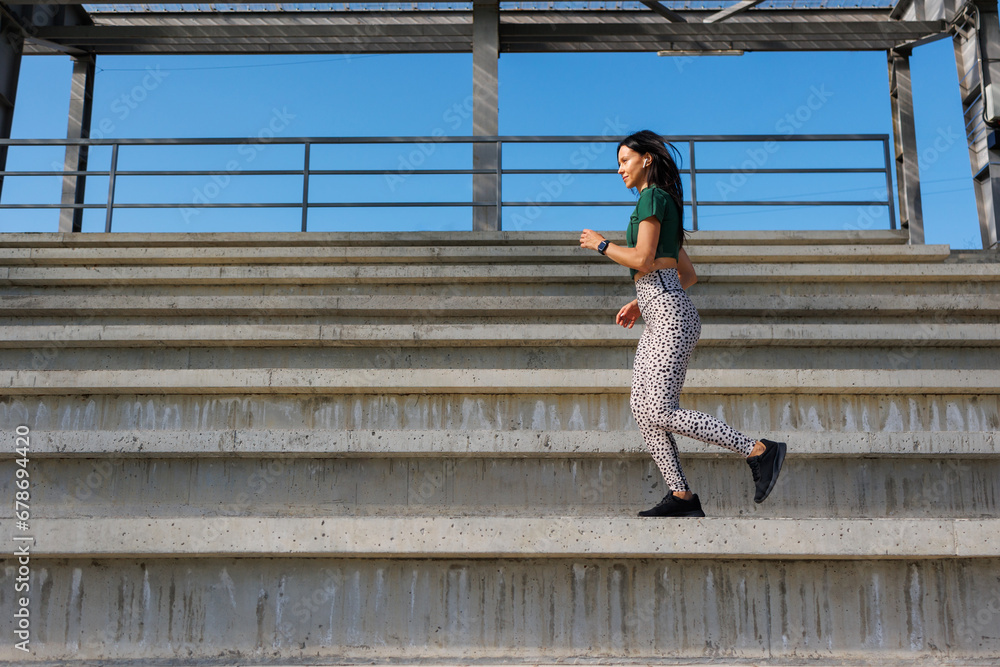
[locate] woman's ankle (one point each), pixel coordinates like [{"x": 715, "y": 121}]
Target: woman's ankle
[{"x": 684, "y": 495}]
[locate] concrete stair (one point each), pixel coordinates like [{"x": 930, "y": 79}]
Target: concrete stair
[{"x": 417, "y": 448}]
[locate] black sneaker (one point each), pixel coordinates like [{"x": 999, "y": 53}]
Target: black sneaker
[
  {"x": 765, "y": 468},
  {"x": 671, "y": 505}
]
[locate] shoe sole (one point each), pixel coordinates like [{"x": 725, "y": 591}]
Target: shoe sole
[
  {"x": 692, "y": 513},
  {"x": 778, "y": 460}
]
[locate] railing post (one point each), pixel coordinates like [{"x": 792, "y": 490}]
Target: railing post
[
  {"x": 888, "y": 182},
  {"x": 111, "y": 188},
  {"x": 694, "y": 187},
  {"x": 305, "y": 188},
  {"x": 499, "y": 181}
]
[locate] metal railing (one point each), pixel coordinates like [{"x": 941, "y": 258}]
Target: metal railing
[{"x": 72, "y": 198}]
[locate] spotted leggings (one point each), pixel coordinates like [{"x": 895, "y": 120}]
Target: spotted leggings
[{"x": 672, "y": 328}]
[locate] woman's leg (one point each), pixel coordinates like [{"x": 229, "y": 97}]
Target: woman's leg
[
  {"x": 672, "y": 330},
  {"x": 660, "y": 443}
]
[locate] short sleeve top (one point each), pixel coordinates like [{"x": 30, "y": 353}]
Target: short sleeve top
[{"x": 654, "y": 200}]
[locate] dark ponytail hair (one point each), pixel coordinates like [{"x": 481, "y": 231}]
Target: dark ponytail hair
[{"x": 662, "y": 171}]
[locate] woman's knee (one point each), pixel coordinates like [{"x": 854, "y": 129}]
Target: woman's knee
[{"x": 669, "y": 419}]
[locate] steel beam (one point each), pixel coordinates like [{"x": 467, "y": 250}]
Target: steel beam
[
  {"x": 81, "y": 104},
  {"x": 977, "y": 58},
  {"x": 904, "y": 135},
  {"x": 523, "y": 31},
  {"x": 485, "y": 111},
  {"x": 11, "y": 46}
]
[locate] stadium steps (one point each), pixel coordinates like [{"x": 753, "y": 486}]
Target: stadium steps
[{"x": 267, "y": 449}]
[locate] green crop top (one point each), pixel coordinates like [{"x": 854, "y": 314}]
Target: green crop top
[{"x": 654, "y": 200}]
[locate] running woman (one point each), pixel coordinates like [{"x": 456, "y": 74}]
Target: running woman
[{"x": 662, "y": 272}]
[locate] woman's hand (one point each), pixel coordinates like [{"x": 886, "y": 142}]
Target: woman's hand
[
  {"x": 590, "y": 239},
  {"x": 628, "y": 314}
]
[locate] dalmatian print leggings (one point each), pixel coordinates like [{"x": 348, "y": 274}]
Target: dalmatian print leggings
[{"x": 672, "y": 328}]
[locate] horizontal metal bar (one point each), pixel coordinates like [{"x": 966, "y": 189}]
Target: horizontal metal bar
[
  {"x": 421, "y": 204},
  {"x": 259, "y": 172},
  {"x": 54, "y": 173},
  {"x": 818, "y": 170},
  {"x": 792, "y": 203},
  {"x": 223, "y": 141},
  {"x": 257, "y": 205},
  {"x": 690, "y": 140},
  {"x": 414, "y": 172},
  {"x": 702, "y": 203},
  {"x": 34, "y": 206}
]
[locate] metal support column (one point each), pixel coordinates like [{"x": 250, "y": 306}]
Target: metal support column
[
  {"x": 11, "y": 45},
  {"x": 905, "y": 142},
  {"x": 485, "y": 111},
  {"x": 81, "y": 103},
  {"x": 977, "y": 57}
]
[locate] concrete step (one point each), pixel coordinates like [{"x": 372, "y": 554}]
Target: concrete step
[
  {"x": 953, "y": 274},
  {"x": 257, "y": 254},
  {"x": 619, "y": 445},
  {"x": 473, "y": 611},
  {"x": 405, "y": 305},
  {"x": 455, "y": 237},
  {"x": 486, "y": 381},
  {"x": 924, "y": 334},
  {"x": 585, "y": 484},
  {"x": 506, "y": 537},
  {"x": 526, "y": 413}
]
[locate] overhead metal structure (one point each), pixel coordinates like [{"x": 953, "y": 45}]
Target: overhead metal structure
[
  {"x": 487, "y": 28},
  {"x": 447, "y": 27}
]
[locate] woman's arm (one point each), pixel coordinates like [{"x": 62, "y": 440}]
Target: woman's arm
[
  {"x": 640, "y": 257},
  {"x": 685, "y": 269}
]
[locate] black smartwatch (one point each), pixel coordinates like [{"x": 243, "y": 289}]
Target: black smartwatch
[{"x": 602, "y": 246}]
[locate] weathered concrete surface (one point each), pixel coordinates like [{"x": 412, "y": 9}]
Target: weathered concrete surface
[
  {"x": 510, "y": 537},
  {"x": 920, "y": 415},
  {"x": 487, "y": 381},
  {"x": 487, "y": 306},
  {"x": 285, "y": 443},
  {"x": 529, "y": 273},
  {"x": 320, "y": 610},
  {"x": 370, "y": 484},
  {"x": 879, "y": 544},
  {"x": 34, "y": 256},
  {"x": 956, "y": 335},
  {"x": 451, "y": 237}
]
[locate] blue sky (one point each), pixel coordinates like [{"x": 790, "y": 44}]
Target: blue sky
[{"x": 540, "y": 94}]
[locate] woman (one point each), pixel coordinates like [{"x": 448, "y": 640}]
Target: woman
[{"x": 662, "y": 271}]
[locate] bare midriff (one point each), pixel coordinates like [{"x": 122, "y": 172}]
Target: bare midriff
[{"x": 660, "y": 263}]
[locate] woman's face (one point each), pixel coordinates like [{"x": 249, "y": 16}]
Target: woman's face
[{"x": 630, "y": 167}]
